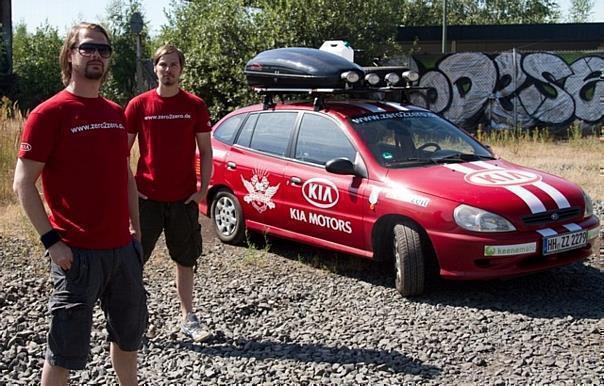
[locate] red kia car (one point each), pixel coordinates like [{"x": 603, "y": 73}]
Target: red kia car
[{"x": 392, "y": 182}]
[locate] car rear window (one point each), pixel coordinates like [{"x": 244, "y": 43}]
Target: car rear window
[{"x": 227, "y": 129}]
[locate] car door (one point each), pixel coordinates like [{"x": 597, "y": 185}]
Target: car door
[
  {"x": 255, "y": 166},
  {"x": 321, "y": 204}
]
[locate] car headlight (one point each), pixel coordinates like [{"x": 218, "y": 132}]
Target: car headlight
[
  {"x": 478, "y": 220},
  {"x": 589, "y": 206}
]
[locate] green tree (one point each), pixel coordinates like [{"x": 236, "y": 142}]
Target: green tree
[
  {"x": 367, "y": 25},
  {"x": 36, "y": 64},
  {"x": 121, "y": 83},
  {"x": 580, "y": 11},
  {"x": 219, "y": 37},
  {"x": 467, "y": 12}
]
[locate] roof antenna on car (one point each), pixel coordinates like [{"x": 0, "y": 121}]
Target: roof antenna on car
[
  {"x": 267, "y": 101},
  {"x": 318, "y": 103}
]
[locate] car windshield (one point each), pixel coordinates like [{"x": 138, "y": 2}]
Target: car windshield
[{"x": 410, "y": 138}]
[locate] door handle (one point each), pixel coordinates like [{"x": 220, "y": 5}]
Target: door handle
[
  {"x": 295, "y": 180},
  {"x": 231, "y": 165}
]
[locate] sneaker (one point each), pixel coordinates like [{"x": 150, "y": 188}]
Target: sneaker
[{"x": 192, "y": 328}]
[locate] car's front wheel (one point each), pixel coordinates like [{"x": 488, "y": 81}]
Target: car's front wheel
[
  {"x": 408, "y": 259},
  {"x": 228, "y": 218}
]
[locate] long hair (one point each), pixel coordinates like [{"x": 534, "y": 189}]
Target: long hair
[{"x": 70, "y": 42}]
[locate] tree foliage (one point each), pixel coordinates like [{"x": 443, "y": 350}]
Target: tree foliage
[
  {"x": 121, "y": 83},
  {"x": 36, "y": 64},
  {"x": 580, "y": 11},
  {"x": 219, "y": 37},
  {"x": 470, "y": 12}
]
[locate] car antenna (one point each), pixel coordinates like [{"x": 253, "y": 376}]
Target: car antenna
[
  {"x": 318, "y": 103},
  {"x": 267, "y": 102}
]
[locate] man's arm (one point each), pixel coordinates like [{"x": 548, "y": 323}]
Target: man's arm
[
  {"x": 27, "y": 173},
  {"x": 131, "y": 139},
  {"x": 133, "y": 203},
  {"x": 204, "y": 144}
]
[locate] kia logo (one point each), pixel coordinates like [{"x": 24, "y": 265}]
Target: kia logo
[
  {"x": 25, "y": 146},
  {"x": 501, "y": 177},
  {"x": 320, "y": 192}
]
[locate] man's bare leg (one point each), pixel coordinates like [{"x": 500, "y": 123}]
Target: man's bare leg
[
  {"x": 54, "y": 375},
  {"x": 184, "y": 285},
  {"x": 124, "y": 363}
]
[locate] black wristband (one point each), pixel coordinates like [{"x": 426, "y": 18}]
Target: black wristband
[{"x": 50, "y": 238}]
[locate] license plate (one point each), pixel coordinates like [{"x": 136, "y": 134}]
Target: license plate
[{"x": 565, "y": 242}]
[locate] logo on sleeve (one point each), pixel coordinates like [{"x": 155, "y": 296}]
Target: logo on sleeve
[{"x": 25, "y": 146}]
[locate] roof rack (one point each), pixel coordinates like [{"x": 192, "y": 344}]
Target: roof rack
[{"x": 320, "y": 93}]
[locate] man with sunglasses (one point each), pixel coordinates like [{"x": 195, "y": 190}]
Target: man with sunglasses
[
  {"x": 77, "y": 142},
  {"x": 169, "y": 123}
]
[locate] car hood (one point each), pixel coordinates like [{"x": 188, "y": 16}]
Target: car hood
[{"x": 497, "y": 186}]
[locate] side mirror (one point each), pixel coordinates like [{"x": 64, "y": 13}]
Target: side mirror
[{"x": 340, "y": 166}]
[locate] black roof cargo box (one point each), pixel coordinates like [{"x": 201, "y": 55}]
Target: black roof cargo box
[{"x": 299, "y": 68}]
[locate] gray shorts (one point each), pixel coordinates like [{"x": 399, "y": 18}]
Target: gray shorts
[
  {"x": 115, "y": 277},
  {"x": 180, "y": 224}
]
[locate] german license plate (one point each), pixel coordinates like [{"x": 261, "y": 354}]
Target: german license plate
[{"x": 565, "y": 242}]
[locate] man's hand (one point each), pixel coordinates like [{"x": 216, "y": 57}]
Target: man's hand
[
  {"x": 61, "y": 255},
  {"x": 197, "y": 197}
]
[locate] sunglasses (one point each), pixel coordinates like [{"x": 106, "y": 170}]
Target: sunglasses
[{"x": 88, "y": 49}]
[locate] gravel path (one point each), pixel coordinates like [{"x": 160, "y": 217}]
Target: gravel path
[{"x": 286, "y": 314}]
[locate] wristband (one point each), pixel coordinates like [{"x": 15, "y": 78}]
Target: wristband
[{"x": 50, "y": 238}]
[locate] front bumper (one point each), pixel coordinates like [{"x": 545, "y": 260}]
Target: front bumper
[{"x": 462, "y": 255}]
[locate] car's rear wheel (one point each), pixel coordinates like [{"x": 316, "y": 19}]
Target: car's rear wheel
[
  {"x": 408, "y": 259},
  {"x": 228, "y": 218}
]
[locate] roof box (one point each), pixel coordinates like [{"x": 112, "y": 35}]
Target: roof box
[{"x": 301, "y": 68}]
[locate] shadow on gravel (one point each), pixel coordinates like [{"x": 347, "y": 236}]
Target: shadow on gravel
[
  {"x": 342, "y": 264},
  {"x": 391, "y": 361},
  {"x": 576, "y": 290}
]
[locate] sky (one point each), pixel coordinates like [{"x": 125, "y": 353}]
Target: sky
[{"x": 65, "y": 13}]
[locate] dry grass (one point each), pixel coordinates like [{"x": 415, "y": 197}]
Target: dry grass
[
  {"x": 577, "y": 159},
  {"x": 11, "y": 123}
]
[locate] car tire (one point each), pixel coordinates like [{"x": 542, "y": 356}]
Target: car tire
[
  {"x": 227, "y": 218},
  {"x": 408, "y": 260}
]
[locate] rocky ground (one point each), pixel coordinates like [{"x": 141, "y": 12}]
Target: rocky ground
[{"x": 286, "y": 314}]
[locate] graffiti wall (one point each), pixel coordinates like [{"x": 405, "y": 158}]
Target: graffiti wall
[{"x": 508, "y": 89}]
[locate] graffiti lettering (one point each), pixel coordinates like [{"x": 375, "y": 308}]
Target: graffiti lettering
[{"x": 501, "y": 90}]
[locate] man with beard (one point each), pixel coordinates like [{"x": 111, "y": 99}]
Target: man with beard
[
  {"x": 169, "y": 121},
  {"x": 77, "y": 142}
]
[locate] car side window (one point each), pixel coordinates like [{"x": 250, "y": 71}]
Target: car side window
[
  {"x": 273, "y": 131},
  {"x": 320, "y": 139},
  {"x": 227, "y": 129},
  {"x": 245, "y": 135}
]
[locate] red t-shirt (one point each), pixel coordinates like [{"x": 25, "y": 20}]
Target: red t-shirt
[
  {"x": 84, "y": 146},
  {"x": 166, "y": 130}
]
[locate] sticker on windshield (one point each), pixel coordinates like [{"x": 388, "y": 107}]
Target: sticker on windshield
[
  {"x": 260, "y": 193},
  {"x": 387, "y": 155},
  {"x": 398, "y": 114}
]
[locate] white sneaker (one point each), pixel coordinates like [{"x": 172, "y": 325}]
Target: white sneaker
[{"x": 192, "y": 328}]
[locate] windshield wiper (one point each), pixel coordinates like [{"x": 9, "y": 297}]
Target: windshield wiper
[
  {"x": 410, "y": 161},
  {"x": 460, "y": 157}
]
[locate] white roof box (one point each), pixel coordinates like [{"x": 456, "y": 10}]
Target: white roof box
[{"x": 339, "y": 47}]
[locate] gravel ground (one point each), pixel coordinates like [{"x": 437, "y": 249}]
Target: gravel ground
[{"x": 287, "y": 314}]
